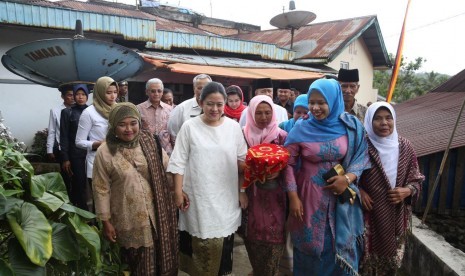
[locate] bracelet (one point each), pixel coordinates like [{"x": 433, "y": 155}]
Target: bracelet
[
  {"x": 242, "y": 190},
  {"x": 347, "y": 179},
  {"x": 413, "y": 190}
]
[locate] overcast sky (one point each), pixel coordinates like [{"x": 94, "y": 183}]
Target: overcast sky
[{"x": 435, "y": 29}]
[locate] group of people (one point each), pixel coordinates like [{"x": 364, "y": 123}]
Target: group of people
[{"x": 168, "y": 182}]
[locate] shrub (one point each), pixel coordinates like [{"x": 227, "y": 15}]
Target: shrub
[
  {"x": 39, "y": 226},
  {"x": 38, "y": 151}
]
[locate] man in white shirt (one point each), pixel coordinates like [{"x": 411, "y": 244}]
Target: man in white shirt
[
  {"x": 189, "y": 108},
  {"x": 53, "y": 138},
  {"x": 265, "y": 87}
]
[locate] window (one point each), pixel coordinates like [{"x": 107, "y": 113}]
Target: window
[{"x": 344, "y": 65}]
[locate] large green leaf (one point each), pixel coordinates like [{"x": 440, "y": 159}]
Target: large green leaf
[
  {"x": 10, "y": 175},
  {"x": 19, "y": 161},
  {"x": 73, "y": 209},
  {"x": 8, "y": 193},
  {"x": 7, "y": 203},
  {"x": 65, "y": 245},
  {"x": 52, "y": 183},
  {"x": 20, "y": 263},
  {"x": 37, "y": 186},
  {"x": 33, "y": 232},
  {"x": 89, "y": 236},
  {"x": 5, "y": 269},
  {"x": 50, "y": 202}
]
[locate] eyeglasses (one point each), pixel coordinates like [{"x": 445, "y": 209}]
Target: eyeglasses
[
  {"x": 347, "y": 85},
  {"x": 156, "y": 90}
]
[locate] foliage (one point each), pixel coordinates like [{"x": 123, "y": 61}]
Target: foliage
[
  {"x": 410, "y": 83},
  {"x": 39, "y": 147},
  {"x": 6, "y": 135},
  {"x": 38, "y": 225}
]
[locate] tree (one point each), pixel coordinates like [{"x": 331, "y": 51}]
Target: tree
[{"x": 410, "y": 84}]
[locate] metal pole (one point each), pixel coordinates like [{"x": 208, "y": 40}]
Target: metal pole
[
  {"x": 443, "y": 162},
  {"x": 292, "y": 37}
]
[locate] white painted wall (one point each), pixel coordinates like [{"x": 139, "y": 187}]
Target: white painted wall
[
  {"x": 358, "y": 57},
  {"x": 26, "y": 106}
]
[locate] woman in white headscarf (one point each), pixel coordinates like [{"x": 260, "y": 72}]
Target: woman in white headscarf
[{"x": 388, "y": 191}]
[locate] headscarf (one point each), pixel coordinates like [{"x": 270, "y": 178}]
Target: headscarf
[
  {"x": 300, "y": 101},
  {"x": 117, "y": 114},
  {"x": 85, "y": 89},
  {"x": 235, "y": 113},
  {"x": 82, "y": 87},
  {"x": 387, "y": 147},
  {"x": 100, "y": 89},
  {"x": 255, "y": 135},
  {"x": 330, "y": 128}
]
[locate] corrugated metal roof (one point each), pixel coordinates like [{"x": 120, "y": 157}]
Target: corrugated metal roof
[
  {"x": 228, "y": 67},
  {"x": 167, "y": 40},
  {"x": 42, "y": 14},
  {"x": 130, "y": 11},
  {"x": 454, "y": 84},
  {"x": 427, "y": 121},
  {"x": 224, "y": 61},
  {"x": 132, "y": 24},
  {"x": 324, "y": 41}
]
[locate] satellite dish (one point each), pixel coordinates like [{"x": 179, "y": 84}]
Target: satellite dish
[
  {"x": 54, "y": 62},
  {"x": 292, "y": 20}
]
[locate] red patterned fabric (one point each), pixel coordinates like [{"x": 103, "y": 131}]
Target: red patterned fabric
[{"x": 263, "y": 160}]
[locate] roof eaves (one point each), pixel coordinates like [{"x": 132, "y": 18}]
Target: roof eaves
[
  {"x": 382, "y": 44},
  {"x": 311, "y": 60},
  {"x": 339, "y": 50},
  {"x": 166, "y": 40}
]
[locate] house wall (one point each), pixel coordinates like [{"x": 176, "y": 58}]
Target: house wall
[
  {"x": 358, "y": 57},
  {"x": 25, "y": 106}
]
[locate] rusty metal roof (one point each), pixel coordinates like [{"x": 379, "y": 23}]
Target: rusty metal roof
[
  {"x": 166, "y": 40},
  {"x": 130, "y": 11},
  {"x": 121, "y": 10},
  {"x": 117, "y": 18},
  {"x": 454, "y": 84},
  {"x": 43, "y": 14},
  {"x": 225, "y": 61},
  {"x": 322, "y": 42},
  {"x": 228, "y": 66},
  {"x": 427, "y": 121}
]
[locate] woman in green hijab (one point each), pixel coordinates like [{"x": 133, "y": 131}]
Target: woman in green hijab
[{"x": 130, "y": 187}]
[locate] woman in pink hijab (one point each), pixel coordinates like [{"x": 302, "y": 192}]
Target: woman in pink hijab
[{"x": 265, "y": 215}]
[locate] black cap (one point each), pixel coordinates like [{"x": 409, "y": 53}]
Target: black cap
[
  {"x": 263, "y": 83},
  {"x": 346, "y": 75},
  {"x": 284, "y": 85}
]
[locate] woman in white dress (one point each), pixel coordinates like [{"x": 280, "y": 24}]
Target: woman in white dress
[{"x": 208, "y": 153}]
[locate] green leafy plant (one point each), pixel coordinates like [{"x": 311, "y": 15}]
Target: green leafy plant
[
  {"x": 38, "y": 152},
  {"x": 41, "y": 232}
]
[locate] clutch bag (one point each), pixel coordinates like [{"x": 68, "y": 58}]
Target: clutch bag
[{"x": 348, "y": 194}]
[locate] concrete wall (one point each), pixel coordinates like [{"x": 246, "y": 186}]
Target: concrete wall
[
  {"x": 428, "y": 254},
  {"x": 358, "y": 57}
]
